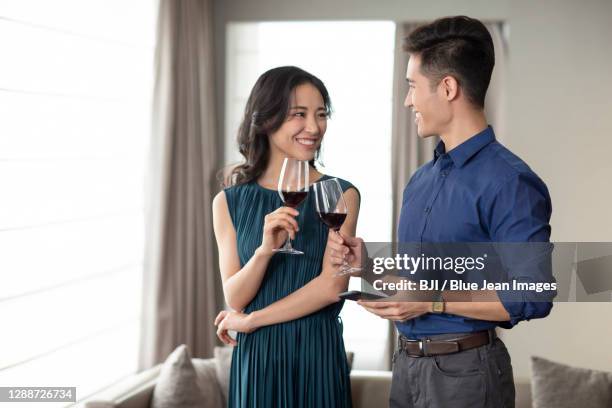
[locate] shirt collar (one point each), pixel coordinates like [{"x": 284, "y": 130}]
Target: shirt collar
[{"x": 466, "y": 150}]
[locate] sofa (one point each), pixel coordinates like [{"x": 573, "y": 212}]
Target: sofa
[
  {"x": 369, "y": 389},
  {"x": 182, "y": 381}
]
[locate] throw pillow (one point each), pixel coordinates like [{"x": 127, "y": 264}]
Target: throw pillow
[
  {"x": 177, "y": 385},
  {"x": 557, "y": 385}
]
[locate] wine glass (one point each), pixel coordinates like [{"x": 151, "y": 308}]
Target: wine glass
[
  {"x": 293, "y": 188},
  {"x": 332, "y": 209}
]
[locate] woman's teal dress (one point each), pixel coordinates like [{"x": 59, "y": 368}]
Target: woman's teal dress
[{"x": 300, "y": 363}]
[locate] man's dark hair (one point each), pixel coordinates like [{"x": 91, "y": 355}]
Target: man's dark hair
[{"x": 458, "y": 46}]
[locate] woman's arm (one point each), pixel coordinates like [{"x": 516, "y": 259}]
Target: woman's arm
[
  {"x": 240, "y": 285},
  {"x": 315, "y": 295}
]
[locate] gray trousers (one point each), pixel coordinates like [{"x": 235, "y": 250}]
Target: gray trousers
[{"x": 477, "y": 378}]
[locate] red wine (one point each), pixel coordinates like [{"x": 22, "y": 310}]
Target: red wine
[
  {"x": 333, "y": 220},
  {"x": 294, "y": 198}
]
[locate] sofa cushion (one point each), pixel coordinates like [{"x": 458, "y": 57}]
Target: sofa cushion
[
  {"x": 223, "y": 360},
  {"x": 557, "y": 385},
  {"x": 370, "y": 388},
  {"x": 179, "y": 385},
  {"x": 206, "y": 370}
]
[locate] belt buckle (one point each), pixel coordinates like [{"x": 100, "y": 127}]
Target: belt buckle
[{"x": 422, "y": 347}]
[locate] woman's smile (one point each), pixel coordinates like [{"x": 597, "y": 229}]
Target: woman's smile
[{"x": 308, "y": 143}]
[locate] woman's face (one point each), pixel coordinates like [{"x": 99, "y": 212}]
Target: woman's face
[{"x": 301, "y": 133}]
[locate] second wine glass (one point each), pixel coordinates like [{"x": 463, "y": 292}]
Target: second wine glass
[{"x": 331, "y": 207}]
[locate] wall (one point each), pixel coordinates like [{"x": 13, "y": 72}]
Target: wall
[{"x": 558, "y": 120}]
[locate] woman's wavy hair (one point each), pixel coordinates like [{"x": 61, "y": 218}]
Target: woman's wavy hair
[{"x": 265, "y": 112}]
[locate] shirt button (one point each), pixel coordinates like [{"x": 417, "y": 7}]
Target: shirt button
[{"x": 427, "y": 210}]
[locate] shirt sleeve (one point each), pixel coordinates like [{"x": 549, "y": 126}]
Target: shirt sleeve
[{"x": 519, "y": 226}]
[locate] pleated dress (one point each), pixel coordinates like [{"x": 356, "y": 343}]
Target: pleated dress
[{"x": 300, "y": 363}]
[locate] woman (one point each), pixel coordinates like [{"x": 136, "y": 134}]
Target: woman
[{"x": 289, "y": 350}]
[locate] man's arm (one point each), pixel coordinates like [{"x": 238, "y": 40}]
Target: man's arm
[
  {"x": 481, "y": 305},
  {"x": 519, "y": 216},
  {"x": 519, "y": 212}
]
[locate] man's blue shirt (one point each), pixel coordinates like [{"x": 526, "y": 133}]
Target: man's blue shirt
[{"x": 478, "y": 192}]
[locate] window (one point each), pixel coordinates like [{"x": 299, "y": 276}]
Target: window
[
  {"x": 75, "y": 89},
  {"x": 355, "y": 61}
]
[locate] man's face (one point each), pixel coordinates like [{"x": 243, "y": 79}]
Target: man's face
[{"x": 430, "y": 107}]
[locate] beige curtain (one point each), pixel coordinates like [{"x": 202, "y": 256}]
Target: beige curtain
[
  {"x": 409, "y": 152},
  {"x": 181, "y": 289}
]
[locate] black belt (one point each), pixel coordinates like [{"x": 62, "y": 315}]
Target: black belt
[{"x": 434, "y": 347}]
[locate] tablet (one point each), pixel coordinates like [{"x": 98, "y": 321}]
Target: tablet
[{"x": 358, "y": 295}]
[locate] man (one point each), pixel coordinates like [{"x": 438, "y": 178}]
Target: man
[{"x": 474, "y": 190}]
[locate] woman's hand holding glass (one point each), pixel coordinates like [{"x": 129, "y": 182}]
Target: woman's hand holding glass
[
  {"x": 278, "y": 226},
  {"x": 293, "y": 189}
]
